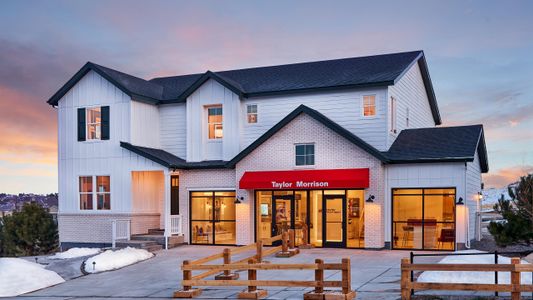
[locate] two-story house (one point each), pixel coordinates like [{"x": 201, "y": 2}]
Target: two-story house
[{"x": 346, "y": 152}]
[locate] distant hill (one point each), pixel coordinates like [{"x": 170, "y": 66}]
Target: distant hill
[
  {"x": 492, "y": 195},
  {"x": 9, "y": 202}
]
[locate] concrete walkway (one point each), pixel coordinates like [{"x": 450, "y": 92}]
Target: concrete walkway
[{"x": 375, "y": 275}]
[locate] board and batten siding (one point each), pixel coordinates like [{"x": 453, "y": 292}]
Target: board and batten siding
[
  {"x": 199, "y": 147},
  {"x": 473, "y": 187},
  {"x": 343, "y": 107},
  {"x": 144, "y": 124},
  {"x": 427, "y": 175},
  {"x": 410, "y": 94},
  {"x": 173, "y": 124},
  {"x": 100, "y": 157}
]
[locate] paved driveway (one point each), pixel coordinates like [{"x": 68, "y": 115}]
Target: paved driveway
[{"x": 375, "y": 275}]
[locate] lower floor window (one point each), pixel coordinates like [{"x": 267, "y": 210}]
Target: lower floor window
[
  {"x": 324, "y": 218},
  {"x": 213, "y": 217},
  {"x": 95, "y": 189},
  {"x": 423, "y": 219}
]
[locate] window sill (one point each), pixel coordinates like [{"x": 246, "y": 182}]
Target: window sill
[
  {"x": 304, "y": 167},
  {"x": 92, "y": 141},
  {"x": 217, "y": 141}
]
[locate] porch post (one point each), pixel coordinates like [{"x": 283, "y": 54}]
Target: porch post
[{"x": 166, "y": 201}]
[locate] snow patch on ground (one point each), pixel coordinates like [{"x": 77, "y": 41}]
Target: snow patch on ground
[
  {"x": 75, "y": 252},
  {"x": 112, "y": 260},
  {"x": 19, "y": 276},
  {"x": 472, "y": 277}
]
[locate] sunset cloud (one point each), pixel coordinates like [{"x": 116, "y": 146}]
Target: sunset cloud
[{"x": 505, "y": 176}]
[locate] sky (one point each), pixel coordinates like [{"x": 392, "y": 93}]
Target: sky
[{"x": 480, "y": 57}]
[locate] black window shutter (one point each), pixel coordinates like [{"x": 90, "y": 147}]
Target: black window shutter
[
  {"x": 81, "y": 124},
  {"x": 105, "y": 122}
]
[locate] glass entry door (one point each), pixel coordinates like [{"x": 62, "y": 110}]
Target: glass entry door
[
  {"x": 282, "y": 214},
  {"x": 334, "y": 221}
]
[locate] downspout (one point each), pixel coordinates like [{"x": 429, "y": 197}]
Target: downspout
[{"x": 467, "y": 214}]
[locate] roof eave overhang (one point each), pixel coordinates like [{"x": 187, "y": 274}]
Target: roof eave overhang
[{"x": 431, "y": 160}]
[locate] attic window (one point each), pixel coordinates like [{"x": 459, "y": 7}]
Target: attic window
[{"x": 214, "y": 122}]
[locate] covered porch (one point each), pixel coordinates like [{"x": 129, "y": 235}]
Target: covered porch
[{"x": 155, "y": 221}]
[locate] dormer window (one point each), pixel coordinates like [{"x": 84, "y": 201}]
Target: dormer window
[
  {"x": 369, "y": 106},
  {"x": 214, "y": 122}
]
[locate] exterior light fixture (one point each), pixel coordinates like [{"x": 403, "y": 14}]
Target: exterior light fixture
[
  {"x": 370, "y": 199},
  {"x": 480, "y": 195},
  {"x": 460, "y": 202},
  {"x": 238, "y": 200}
]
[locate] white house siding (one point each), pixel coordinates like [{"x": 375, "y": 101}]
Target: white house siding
[
  {"x": 173, "y": 124},
  {"x": 331, "y": 152},
  {"x": 91, "y": 158},
  {"x": 473, "y": 186},
  {"x": 199, "y": 147},
  {"x": 410, "y": 93},
  {"x": 144, "y": 124},
  {"x": 202, "y": 180},
  {"x": 427, "y": 175},
  {"x": 343, "y": 107}
]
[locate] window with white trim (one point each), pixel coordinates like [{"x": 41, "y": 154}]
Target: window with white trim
[
  {"x": 251, "y": 113},
  {"x": 214, "y": 122},
  {"x": 369, "y": 106},
  {"x": 95, "y": 192},
  {"x": 305, "y": 154},
  {"x": 94, "y": 123}
]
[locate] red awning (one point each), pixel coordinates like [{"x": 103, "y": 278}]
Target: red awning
[{"x": 305, "y": 179}]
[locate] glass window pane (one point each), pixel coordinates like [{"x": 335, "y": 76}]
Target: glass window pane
[
  {"x": 252, "y": 118},
  {"x": 225, "y": 233},
  {"x": 355, "y": 219},
  {"x": 315, "y": 219},
  {"x": 202, "y": 208},
  {"x": 102, "y": 184},
  {"x": 439, "y": 191},
  {"x": 202, "y": 232},
  {"x": 86, "y": 184},
  {"x": 407, "y": 191},
  {"x": 224, "y": 208},
  {"x": 334, "y": 192},
  {"x": 264, "y": 214},
  {"x": 300, "y": 149},
  {"x": 86, "y": 201},
  {"x": 228, "y": 194},
  {"x": 200, "y": 194},
  {"x": 300, "y": 215},
  {"x": 300, "y": 160},
  {"x": 310, "y": 160},
  {"x": 309, "y": 149},
  {"x": 103, "y": 201},
  {"x": 407, "y": 221}
]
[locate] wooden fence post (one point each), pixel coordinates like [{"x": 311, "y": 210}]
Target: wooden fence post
[
  {"x": 292, "y": 242},
  {"x": 252, "y": 275},
  {"x": 319, "y": 276},
  {"x": 187, "y": 275},
  {"x": 406, "y": 293},
  {"x": 284, "y": 242},
  {"x": 259, "y": 248},
  {"x": 515, "y": 279},
  {"x": 346, "y": 278},
  {"x": 227, "y": 274},
  {"x": 252, "y": 292}
]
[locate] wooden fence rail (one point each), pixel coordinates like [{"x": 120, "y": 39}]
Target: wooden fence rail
[
  {"x": 255, "y": 263},
  {"x": 515, "y": 287}
]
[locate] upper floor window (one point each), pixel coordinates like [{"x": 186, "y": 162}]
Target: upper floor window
[
  {"x": 93, "y": 123},
  {"x": 251, "y": 113},
  {"x": 95, "y": 189},
  {"x": 393, "y": 116},
  {"x": 305, "y": 154},
  {"x": 369, "y": 106},
  {"x": 214, "y": 122}
]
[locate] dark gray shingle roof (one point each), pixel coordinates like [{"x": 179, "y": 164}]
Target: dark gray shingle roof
[
  {"x": 377, "y": 70},
  {"x": 439, "y": 144}
]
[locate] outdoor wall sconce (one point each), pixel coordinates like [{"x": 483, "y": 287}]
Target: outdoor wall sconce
[
  {"x": 238, "y": 200},
  {"x": 480, "y": 195},
  {"x": 370, "y": 199},
  {"x": 460, "y": 202}
]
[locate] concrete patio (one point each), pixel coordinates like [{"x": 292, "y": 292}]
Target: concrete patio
[{"x": 375, "y": 275}]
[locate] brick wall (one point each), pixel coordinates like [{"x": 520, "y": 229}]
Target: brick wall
[{"x": 331, "y": 152}]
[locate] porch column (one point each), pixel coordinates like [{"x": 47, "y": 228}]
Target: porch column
[{"x": 166, "y": 201}]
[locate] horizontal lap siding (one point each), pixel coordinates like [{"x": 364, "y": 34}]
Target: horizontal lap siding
[
  {"x": 343, "y": 108},
  {"x": 173, "y": 130},
  {"x": 473, "y": 186}
]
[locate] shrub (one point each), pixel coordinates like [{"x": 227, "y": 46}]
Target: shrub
[
  {"x": 31, "y": 231},
  {"x": 517, "y": 224}
]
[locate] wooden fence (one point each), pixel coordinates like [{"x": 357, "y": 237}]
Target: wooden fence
[
  {"x": 515, "y": 287},
  {"x": 228, "y": 277}
]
